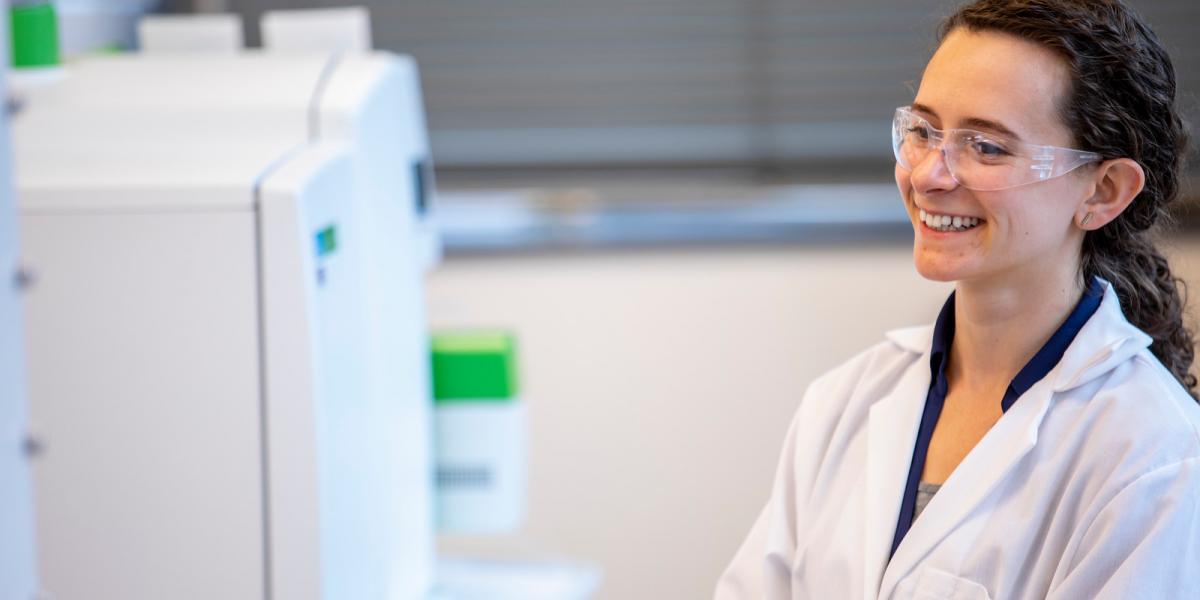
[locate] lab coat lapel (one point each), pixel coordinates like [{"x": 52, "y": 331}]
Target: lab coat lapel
[
  {"x": 973, "y": 481},
  {"x": 1105, "y": 341},
  {"x": 891, "y": 435}
]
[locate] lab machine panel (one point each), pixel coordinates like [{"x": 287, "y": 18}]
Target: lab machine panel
[
  {"x": 144, "y": 388},
  {"x": 234, "y": 249}
]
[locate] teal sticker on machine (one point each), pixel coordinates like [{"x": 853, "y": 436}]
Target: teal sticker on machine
[{"x": 326, "y": 241}]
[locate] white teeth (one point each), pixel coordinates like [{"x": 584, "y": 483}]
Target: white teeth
[{"x": 947, "y": 222}]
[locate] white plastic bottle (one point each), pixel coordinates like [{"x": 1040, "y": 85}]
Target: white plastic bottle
[{"x": 480, "y": 432}]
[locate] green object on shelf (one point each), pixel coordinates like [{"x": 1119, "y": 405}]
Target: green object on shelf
[
  {"x": 474, "y": 366},
  {"x": 33, "y": 30}
]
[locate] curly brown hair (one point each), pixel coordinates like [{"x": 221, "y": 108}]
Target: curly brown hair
[{"x": 1120, "y": 103}]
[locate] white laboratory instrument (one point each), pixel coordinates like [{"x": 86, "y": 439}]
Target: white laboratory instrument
[
  {"x": 481, "y": 432},
  {"x": 330, "y": 29},
  {"x": 17, "y": 567},
  {"x": 497, "y": 579},
  {"x": 227, "y": 346},
  {"x": 190, "y": 34},
  {"x": 98, "y": 25}
]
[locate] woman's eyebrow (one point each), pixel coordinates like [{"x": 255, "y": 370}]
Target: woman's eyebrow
[
  {"x": 917, "y": 106},
  {"x": 971, "y": 122},
  {"x": 978, "y": 123}
]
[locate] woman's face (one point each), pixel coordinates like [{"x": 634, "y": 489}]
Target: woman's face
[{"x": 1003, "y": 85}]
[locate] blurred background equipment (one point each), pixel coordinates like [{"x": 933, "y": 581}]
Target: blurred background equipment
[
  {"x": 227, "y": 352},
  {"x": 480, "y": 438},
  {"x": 209, "y": 34},
  {"x": 34, "y": 28},
  {"x": 18, "y": 567},
  {"x": 477, "y": 579},
  {"x": 88, "y": 26}
]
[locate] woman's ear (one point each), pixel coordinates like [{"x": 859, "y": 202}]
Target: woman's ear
[{"x": 1118, "y": 182}]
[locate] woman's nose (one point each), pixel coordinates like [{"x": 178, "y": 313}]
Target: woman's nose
[{"x": 933, "y": 174}]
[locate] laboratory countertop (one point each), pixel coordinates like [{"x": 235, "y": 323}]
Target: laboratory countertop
[
  {"x": 532, "y": 219},
  {"x": 477, "y": 220}
]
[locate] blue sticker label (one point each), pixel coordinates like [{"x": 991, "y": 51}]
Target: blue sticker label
[{"x": 326, "y": 240}]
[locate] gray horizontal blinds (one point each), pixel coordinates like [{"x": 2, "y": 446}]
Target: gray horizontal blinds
[{"x": 620, "y": 82}]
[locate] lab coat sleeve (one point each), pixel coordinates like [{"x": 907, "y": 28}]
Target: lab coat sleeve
[
  {"x": 1144, "y": 543},
  {"x": 742, "y": 579},
  {"x": 761, "y": 569}
]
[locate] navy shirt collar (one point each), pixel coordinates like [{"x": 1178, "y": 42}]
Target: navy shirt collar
[
  {"x": 1042, "y": 362},
  {"x": 1038, "y": 367},
  {"x": 939, "y": 353}
]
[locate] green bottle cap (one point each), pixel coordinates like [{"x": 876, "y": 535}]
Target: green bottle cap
[
  {"x": 476, "y": 366},
  {"x": 34, "y": 33}
]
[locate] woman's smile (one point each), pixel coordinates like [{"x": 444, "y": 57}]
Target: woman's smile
[{"x": 947, "y": 223}]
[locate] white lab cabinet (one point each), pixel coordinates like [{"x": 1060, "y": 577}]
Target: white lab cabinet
[
  {"x": 145, "y": 388},
  {"x": 227, "y": 346},
  {"x": 371, "y": 101}
]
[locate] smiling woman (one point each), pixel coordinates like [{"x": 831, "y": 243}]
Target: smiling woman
[{"x": 1041, "y": 439}]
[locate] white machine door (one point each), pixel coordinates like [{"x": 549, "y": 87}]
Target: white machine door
[
  {"x": 336, "y": 492},
  {"x": 16, "y": 510}
]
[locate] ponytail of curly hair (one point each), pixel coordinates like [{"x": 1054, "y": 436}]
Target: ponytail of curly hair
[{"x": 1120, "y": 103}]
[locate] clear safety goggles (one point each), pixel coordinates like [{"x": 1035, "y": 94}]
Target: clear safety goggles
[{"x": 981, "y": 161}]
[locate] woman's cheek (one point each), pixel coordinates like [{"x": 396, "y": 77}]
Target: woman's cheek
[{"x": 903, "y": 181}]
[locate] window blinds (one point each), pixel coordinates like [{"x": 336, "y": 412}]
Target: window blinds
[{"x": 628, "y": 82}]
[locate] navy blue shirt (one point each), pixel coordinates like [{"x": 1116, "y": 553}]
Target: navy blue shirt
[{"x": 1033, "y": 371}]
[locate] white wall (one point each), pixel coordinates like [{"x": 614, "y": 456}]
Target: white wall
[{"x": 660, "y": 385}]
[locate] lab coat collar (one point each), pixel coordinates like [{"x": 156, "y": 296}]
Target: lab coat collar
[
  {"x": 913, "y": 339},
  {"x": 1106, "y": 340}
]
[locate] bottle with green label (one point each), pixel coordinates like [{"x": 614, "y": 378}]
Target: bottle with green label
[
  {"x": 479, "y": 433},
  {"x": 33, "y": 29},
  {"x": 33, "y": 49}
]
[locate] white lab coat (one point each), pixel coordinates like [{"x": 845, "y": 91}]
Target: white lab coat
[{"x": 1088, "y": 487}]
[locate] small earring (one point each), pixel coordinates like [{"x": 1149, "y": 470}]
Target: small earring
[{"x": 1085, "y": 220}]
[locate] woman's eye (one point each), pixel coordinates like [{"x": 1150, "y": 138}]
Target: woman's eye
[
  {"x": 988, "y": 148},
  {"x": 919, "y": 132}
]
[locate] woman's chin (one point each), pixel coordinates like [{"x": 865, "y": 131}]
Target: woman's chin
[{"x": 937, "y": 270}]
